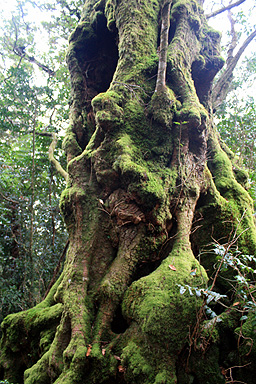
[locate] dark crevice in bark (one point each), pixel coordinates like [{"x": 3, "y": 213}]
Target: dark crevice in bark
[
  {"x": 119, "y": 324},
  {"x": 92, "y": 71},
  {"x": 146, "y": 268},
  {"x": 202, "y": 201},
  {"x": 99, "y": 59},
  {"x": 203, "y": 76}
]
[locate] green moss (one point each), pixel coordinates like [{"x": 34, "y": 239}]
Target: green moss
[
  {"x": 146, "y": 179},
  {"x": 138, "y": 37},
  {"x": 69, "y": 144},
  {"x": 38, "y": 373},
  {"x": 239, "y": 203},
  {"x": 209, "y": 331},
  {"x": 162, "y": 378},
  {"x": 247, "y": 348},
  {"x": 110, "y": 13},
  {"x": 138, "y": 368},
  {"x": 206, "y": 368},
  {"x": 156, "y": 304},
  {"x": 46, "y": 338},
  {"x": 42, "y": 317},
  {"x": 162, "y": 107}
]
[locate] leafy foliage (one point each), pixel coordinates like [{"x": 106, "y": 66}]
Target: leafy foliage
[
  {"x": 33, "y": 103},
  {"x": 244, "y": 278},
  {"x": 237, "y": 128}
]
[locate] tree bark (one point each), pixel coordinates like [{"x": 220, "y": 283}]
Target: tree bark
[{"x": 143, "y": 168}]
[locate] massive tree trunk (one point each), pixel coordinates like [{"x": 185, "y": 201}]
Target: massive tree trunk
[{"x": 149, "y": 185}]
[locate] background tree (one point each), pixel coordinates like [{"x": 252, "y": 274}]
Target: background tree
[
  {"x": 149, "y": 187},
  {"x": 30, "y": 187}
]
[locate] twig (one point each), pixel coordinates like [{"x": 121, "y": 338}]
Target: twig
[
  {"x": 215, "y": 13},
  {"x": 8, "y": 199}
]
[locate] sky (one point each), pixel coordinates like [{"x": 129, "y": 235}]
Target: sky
[{"x": 220, "y": 22}]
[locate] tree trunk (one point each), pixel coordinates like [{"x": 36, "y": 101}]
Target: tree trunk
[{"x": 145, "y": 164}]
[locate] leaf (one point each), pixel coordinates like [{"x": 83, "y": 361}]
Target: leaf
[
  {"x": 88, "y": 350},
  {"x": 182, "y": 289},
  {"x": 190, "y": 290},
  {"x": 172, "y": 267},
  {"x": 193, "y": 272}
]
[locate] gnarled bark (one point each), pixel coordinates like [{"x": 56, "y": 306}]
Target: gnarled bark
[{"x": 142, "y": 167}]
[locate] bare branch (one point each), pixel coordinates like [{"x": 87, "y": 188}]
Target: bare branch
[
  {"x": 221, "y": 88},
  {"x": 20, "y": 51},
  {"x": 52, "y": 158},
  {"x": 52, "y": 147},
  {"x": 215, "y": 13},
  {"x": 46, "y": 69},
  {"x": 165, "y": 25},
  {"x": 234, "y": 40},
  {"x": 8, "y": 199}
]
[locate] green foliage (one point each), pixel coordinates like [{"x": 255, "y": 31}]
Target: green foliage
[
  {"x": 4, "y": 382},
  {"x": 15, "y": 218},
  {"x": 237, "y": 128},
  {"x": 32, "y": 234},
  {"x": 243, "y": 278},
  {"x": 240, "y": 273}
]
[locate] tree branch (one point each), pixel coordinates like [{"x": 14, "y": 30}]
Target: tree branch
[
  {"x": 221, "y": 88},
  {"x": 165, "y": 26},
  {"x": 8, "y": 199},
  {"x": 52, "y": 159},
  {"x": 72, "y": 11},
  {"x": 52, "y": 147},
  {"x": 215, "y": 13},
  {"x": 233, "y": 42},
  {"x": 20, "y": 51}
]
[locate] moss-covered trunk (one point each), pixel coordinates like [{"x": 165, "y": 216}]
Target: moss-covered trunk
[{"x": 149, "y": 185}]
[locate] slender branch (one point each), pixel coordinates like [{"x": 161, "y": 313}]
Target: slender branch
[
  {"x": 20, "y": 51},
  {"x": 165, "y": 26},
  {"x": 46, "y": 134},
  {"x": 8, "y": 199},
  {"x": 52, "y": 158},
  {"x": 215, "y": 13},
  {"x": 233, "y": 42},
  {"x": 29, "y": 260},
  {"x": 221, "y": 88},
  {"x": 50, "y": 202},
  {"x": 51, "y": 150}
]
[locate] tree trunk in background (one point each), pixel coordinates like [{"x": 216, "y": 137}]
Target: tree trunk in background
[{"x": 150, "y": 184}]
